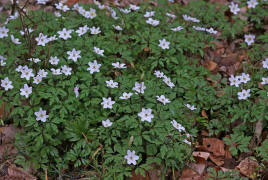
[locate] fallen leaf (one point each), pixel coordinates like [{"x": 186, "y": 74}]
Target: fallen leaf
[
  {"x": 204, "y": 114},
  {"x": 17, "y": 172},
  {"x": 218, "y": 160},
  {"x": 211, "y": 65},
  {"x": 229, "y": 59},
  {"x": 201, "y": 154},
  {"x": 230, "y": 163},
  {"x": 71, "y": 2},
  {"x": 7, "y": 150},
  {"x": 204, "y": 133},
  {"x": 189, "y": 174},
  {"x": 146, "y": 49},
  {"x": 214, "y": 146},
  {"x": 7, "y": 134},
  {"x": 248, "y": 167},
  {"x": 138, "y": 176}
]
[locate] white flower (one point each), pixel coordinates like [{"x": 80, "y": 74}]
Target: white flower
[
  {"x": 249, "y": 39},
  {"x": 139, "y": 87},
  {"x": 94, "y": 67},
  {"x": 2, "y": 58},
  {"x": 158, "y": 74},
  {"x": 57, "y": 14},
  {"x": 7, "y": 84},
  {"x": 56, "y": 71},
  {"x": 171, "y": 15},
  {"x": 82, "y": 30},
  {"x": 146, "y": 114},
  {"x": 66, "y": 70},
  {"x": 234, "y": 81},
  {"x": 244, "y": 94},
  {"x": 41, "y": 115},
  {"x": 3, "y": 32},
  {"x": 190, "y": 107},
  {"x": 149, "y": 14},
  {"x": 163, "y": 99},
  {"x": 74, "y": 54},
  {"x": 65, "y": 34},
  {"x": 62, "y": 7},
  {"x": 168, "y": 82},
  {"x": 91, "y": 13},
  {"x": 265, "y": 63},
  {"x": 15, "y": 40},
  {"x": 131, "y": 157},
  {"x": 118, "y": 28},
  {"x": 234, "y": 8},
  {"x": 76, "y": 91},
  {"x": 211, "y": 31},
  {"x": 152, "y": 22},
  {"x": 244, "y": 78},
  {"x": 187, "y": 142},
  {"x": 95, "y": 30},
  {"x": 42, "y": 73},
  {"x": 198, "y": 28},
  {"x": 25, "y": 30},
  {"x": 176, "y": 29},
  {"x": 52, "y": 38},
  {"x": 35, "y": 60},
  {"x": 26, "y": 90},
  {"x": 126, "y": 11},
  {"x": 252, "y": 3},
  {"x": 42, "y": 39},
  {"x": 118, "y": 65},
  {"x": 2, "y": 63},
  {"x": 178, "y": 126},
  {"x": 264, "y": 80},
  {"x": 27, "y": 73},
  {"x": 113, "y": 14},
  {"x": 37, "y": 79},
  {"x": 54, "y": 60},
  {"x": 107, "y": 123},
  {"x": 98, "y": 51},
  {"x": 164, "y": 44},
  {"x": 42, "y": 1},
  {"x": 107, "y": 103},
  {"x": 134, "y": 7},
  {"x": 112, "y": 84},
  {"x": 126, "y": 95},
  {"x": 189, "y": 18}
]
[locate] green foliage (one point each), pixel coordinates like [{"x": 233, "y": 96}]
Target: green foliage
[
  {"x": 74, "y": 137},
  {"x": 237, "y": 142},
  {"x": 228, "y": 175}
]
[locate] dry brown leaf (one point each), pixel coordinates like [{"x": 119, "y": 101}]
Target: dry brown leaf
[
  {"x": 228, "y": 60},
  {"x": 204, "y": 133},
  {"x": 71, "y": 2},
  {"x": 230, "y": 163},
  {"x": 139, "y": 176},
  {"x": 8, "y": 133},
  {"x": 218, "y": 160},
  {"x": 146, "y": 49},
  {"x": 248, "y": 167},
  {"x": 189, "y": 174},
  {"x": 7, "y": 150},
  {"x": 204, "y": 114},
  {"x": 211, "y": 65},
  {"x": 201, "y": 154},
  {"x": 19, "y": 173},
  {"x": 214, "y": 146}
]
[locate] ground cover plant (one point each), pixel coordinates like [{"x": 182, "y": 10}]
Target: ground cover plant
[{"x": 117, "y": 91}]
